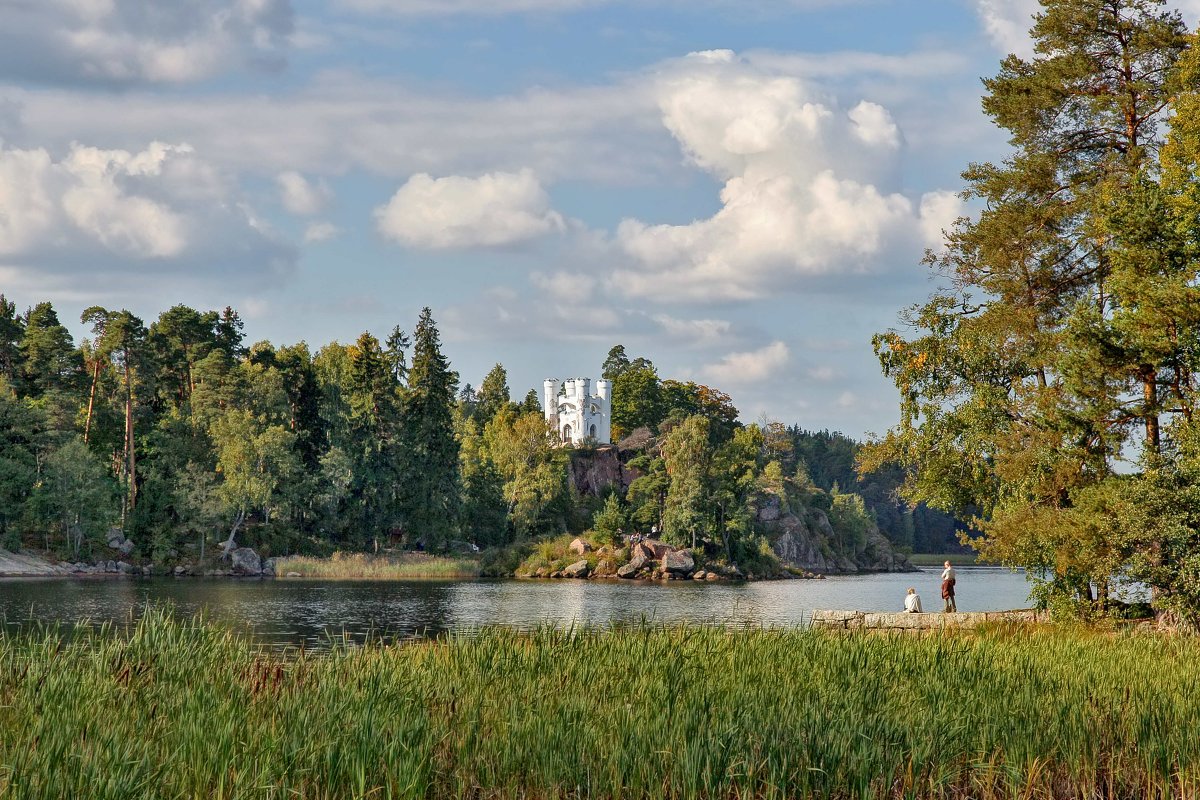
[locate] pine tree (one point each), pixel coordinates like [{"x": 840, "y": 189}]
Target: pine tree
[
  {"x": 492, "y": 396},
  {"x": 49, "y": 361},
  {"x": 12, "y": 330},
  {"x": 1015, "y": 388},
  {"x": 429, "y": 480}
]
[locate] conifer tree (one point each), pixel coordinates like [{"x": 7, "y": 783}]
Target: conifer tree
[
  {"x": 493, "y": 395},
  {"x": 429, "y": 480},
  {"x": 12, "y": 330}
]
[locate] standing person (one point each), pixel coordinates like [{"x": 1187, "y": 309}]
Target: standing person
[
  {"x": 912, "y": 601},
  {"x": 948, "y": 589}
]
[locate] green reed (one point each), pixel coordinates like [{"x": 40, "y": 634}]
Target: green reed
[
  {"x": 361, "y": 566},
  {"x": 187, "y": 709}
]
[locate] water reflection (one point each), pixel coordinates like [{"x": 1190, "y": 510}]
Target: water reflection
[{"x": 309, "y": 612}]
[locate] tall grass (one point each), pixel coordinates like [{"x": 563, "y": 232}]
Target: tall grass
[
  {"x": 182, "y": 710},
  {"x": 368, "y": 567}
]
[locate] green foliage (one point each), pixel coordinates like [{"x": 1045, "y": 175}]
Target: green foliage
[
  {"x": 429, "y": 480},
  {"x": 523, "y": 450},
  {"x": 1069, "y": 339},
  {"x": 850, "y": 519},
  {"x": 492, "y": 396},
  {"x": 12, "y": 331},
  {"x": 76, "y": 496},
  {"x": 636, "y": 398},
  {"x": 610, "y": 522},
  {"x": 686, "y": 455},
  {"x": 485, "y": 512}
]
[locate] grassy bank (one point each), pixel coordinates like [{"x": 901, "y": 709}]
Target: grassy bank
[
  {"x": 387, "y": 567},
  {"x": 188, "y": 710}
]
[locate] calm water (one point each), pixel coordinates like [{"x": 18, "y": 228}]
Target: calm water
[{"x": 295, "y": 612}]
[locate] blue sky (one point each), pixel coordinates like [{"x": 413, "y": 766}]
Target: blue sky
[{"x": 740, "y": 191}]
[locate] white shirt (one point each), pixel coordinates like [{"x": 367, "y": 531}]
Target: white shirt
[
  {"x": 912, "y": 603},
  {"x": 948, "y": 574}
]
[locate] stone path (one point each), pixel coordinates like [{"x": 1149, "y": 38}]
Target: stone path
[{"x": 866, "y": 620}]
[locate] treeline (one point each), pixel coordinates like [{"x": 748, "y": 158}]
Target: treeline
[
  {"x": 185, "y": 437},
  {"x": 194, "y": 442},
  {"x": 831, "y": 459}
]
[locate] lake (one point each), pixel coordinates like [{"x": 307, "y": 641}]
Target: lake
[{"x": 307, "y": 612}]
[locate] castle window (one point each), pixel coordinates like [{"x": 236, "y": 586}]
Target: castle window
[
  {"x": 593, "y": 432},
  {"x": 566, "y": 434}
]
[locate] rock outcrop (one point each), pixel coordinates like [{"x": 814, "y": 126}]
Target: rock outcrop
[
  {"x": 579, "y": 569},
  {"x": 117, "y": 541},
  {"x": 805, "y": 540},
  {"x": 678, "y": 562},
  {"x": 25, "y": 564},
  {"x": 594, "y": 472},
  {"x": 244, "y": 561}
]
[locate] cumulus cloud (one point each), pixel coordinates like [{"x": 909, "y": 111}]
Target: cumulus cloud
[
  {"x": 134, "y": 41},
  {"x": 496, "y": 209},
  {"x": 160, "y": 210},
  {"x": 802, "y": 193},
  {"x": 748, "y": 367},
  {"x": 301, "y": 197}
]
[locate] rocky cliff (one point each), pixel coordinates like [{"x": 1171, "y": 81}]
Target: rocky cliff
[
  {"x": 805, "y": 540},
  {"x": 593, "y": 471}
]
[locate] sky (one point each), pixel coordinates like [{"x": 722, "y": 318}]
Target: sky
[{"x": 739, "y": 190}]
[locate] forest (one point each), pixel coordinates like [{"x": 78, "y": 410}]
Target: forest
[{"x": 193, "y": 443}]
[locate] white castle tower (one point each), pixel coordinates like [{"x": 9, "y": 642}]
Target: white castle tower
[{"x": 576, "y": 413}]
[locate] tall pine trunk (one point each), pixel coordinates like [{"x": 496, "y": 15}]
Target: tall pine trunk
[
  {"x": 130, "y": 453},
  {"x": 87, "y": 424}
]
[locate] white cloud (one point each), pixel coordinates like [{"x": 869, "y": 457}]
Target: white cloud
[
  {"x": 749, "y": 367},
  {"x": 496, "y": 209},
  {"x": 565, "y": 287},
  {"x": 696, "y": 332},
  {"x": 132, "y": 41},
  {"x": 939, "y": 210},
  {"x": 160, "y": 210},
  {"x": 342, "y": 123},
  {"x": 301, "y": 197},
  {"x": 320, "y": 232},
  {"x": 805, "y": 186},
  {"x": 1007, "y": 24}
]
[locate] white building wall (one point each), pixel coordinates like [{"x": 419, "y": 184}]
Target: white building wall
[{"x": 576, "y": 412}]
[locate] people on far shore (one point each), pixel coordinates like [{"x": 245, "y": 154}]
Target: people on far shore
[
  {"x": 948, "y": 589},
  {"x": 912, "y": 602}
]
